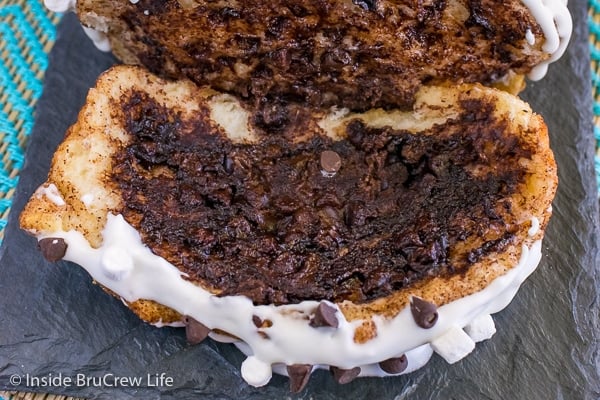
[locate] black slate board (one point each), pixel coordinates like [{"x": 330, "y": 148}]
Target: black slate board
[{"x": 55, "y": 324}]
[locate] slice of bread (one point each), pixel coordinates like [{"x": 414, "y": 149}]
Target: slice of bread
[
  {"x": 355, "y": 54},
  {"x": 101, "y": 169}
]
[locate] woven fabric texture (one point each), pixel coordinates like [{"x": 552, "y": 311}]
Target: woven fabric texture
[
  {"x": 594, "y": 25},
  {"x": 27, "y": 32},
  {"x": 33, "y": 396}
]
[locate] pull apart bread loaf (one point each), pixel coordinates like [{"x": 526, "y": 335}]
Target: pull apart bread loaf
[
  {"x": 357, "y": 242},
  {"x": 347, "y": 53}
]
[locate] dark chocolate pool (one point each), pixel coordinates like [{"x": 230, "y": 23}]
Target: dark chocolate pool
[{"x": 281, "y": 222}]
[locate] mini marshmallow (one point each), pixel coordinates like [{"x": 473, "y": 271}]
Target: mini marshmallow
[
  {"x": 256, "y": 372},
  {"x": 453, "y": 345},
  {"x": 116, "y": 263},
  {"x": 481, "y": 328}
]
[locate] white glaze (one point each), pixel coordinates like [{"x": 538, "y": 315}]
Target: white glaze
[
  {"x": 60, "y": 6},
  {"x": 51, "y": 193},
  {"x": 554, "y": 18},
  {"x": 416, "y": 358},
  {"x": 161, "y": 324},
  {"x": 291, "y": 339},
  {"x": 535, "y": 226},
  {"x": 530, "y": 37},
  {"x": 99, "y": 38}
]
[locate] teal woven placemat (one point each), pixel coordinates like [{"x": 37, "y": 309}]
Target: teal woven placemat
[
  {"x": 594, "y": 25},
  {"x": 27, "y": 32},
  {"x": 33, "y": 396}
]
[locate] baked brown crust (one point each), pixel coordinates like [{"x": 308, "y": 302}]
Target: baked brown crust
[
  {"x": 355, "y": 54},
  {"x": 83, "y": 164}
]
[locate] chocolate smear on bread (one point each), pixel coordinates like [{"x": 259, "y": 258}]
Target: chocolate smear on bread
[{"x": 355, "y": 236}]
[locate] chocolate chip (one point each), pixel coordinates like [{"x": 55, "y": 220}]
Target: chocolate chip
[
  {"x": 324, "y": 316},
  {"x": 335, "y": 58},
  {"x": 272, "y": 116},
  {"x": 424, "y": 312},
  {"x": 299, "y": 375},
  {"x": 343, "y": 376},
  {"x": 259, "y": 323},
  {"x": 228, "y": 165},
  {"x": 195, "y": 332},
  {"x": 356, "y": 132},
  {"x": 356, "y": 214},
  {"x": 53, "y": 249},
  {"x": 330, "y": 162},
  {"x": 394, "y": 365}
]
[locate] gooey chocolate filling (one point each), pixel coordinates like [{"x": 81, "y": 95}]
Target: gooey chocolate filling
[
  {"x": 264, "y": 221},
  {"x": 357, "y": 54}
]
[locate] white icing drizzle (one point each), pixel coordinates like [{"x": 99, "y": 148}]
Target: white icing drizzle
[
  {"x": 554, "y": 18},
  {"x": 60, "y": 6},
  {"x": 290, "y": 338},
  {"x": 99, "y": 38},
  {"x": 535, "y": 226},
  {"x": 530, "y": 37},
  {"x": 51, "y": 193},
  {"x": 161, "y": 324}
]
